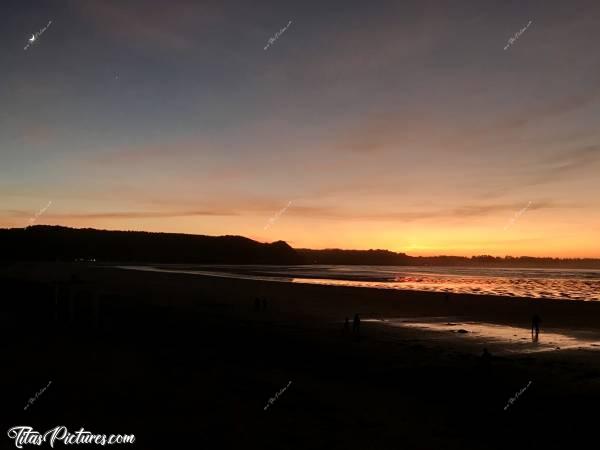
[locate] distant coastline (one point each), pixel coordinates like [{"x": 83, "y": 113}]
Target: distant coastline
[{"x": 387, "y": 258}]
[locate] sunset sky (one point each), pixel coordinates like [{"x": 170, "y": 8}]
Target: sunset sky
[{"x": 401, "y": 125}]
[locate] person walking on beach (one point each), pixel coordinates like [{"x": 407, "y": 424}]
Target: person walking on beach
[
  {"x": 356, "y": 324},
  {"x": 535, "y": 327}
]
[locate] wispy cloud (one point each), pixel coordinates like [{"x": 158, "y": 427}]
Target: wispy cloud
[
  {"x": 127, "y": 214},
  {"x": 520, "y": 120},
  {"x": 143, "y": 214},
  {"x": 467, "y": 211},
  {"x": 150, "y": 23},
  {"x": 564, "y": 165}
]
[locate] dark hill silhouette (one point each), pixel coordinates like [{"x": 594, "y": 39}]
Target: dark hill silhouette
[{"x": 48, "y": 243}]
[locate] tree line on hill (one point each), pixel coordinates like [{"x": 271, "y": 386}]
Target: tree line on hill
[{"x": 387, "y": 258}]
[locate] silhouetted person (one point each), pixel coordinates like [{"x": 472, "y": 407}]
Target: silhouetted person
[
  {"x": 535, "y": 326},
  {"x": 485, "y": 362},
  {"x": 486, "y": 356},
  {"x": 447, "y": 297},
  {"x": 356, "y": 324},
  {"x": 256, "y": 304}
]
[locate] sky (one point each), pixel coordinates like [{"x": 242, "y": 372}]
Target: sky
[{"x": 399, "y": 125}]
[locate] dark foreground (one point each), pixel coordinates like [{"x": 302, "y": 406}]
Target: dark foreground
[{"x": 185, "y": 362}]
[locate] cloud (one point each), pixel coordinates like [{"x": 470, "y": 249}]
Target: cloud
[
  {"x": 147, "y": 214},
  {"x": 129, "y": 214},
  {"x": 467, "y": 211},
  {"x": 145, "y": 152},
  {"x": 301, "y": 209},
  {"x": 381, "y": 131},
  {"x": 151, "y": 23},
  {"x": 37, "y": 135},
  {"x": 555, "y": 108},
  {"x": 563, "y": 165},
  {"x": 377, "y": 131}
]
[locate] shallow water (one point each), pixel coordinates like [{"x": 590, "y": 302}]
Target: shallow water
[{"x": 569, "y": 284}]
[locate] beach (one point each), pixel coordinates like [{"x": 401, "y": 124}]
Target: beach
[{"x": 184, "y": 360}]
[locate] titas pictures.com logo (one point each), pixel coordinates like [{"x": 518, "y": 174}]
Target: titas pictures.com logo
[{"x": 24, "y": 435}]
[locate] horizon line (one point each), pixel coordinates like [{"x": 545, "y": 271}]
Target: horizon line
[{"x": 505, "y": 257}]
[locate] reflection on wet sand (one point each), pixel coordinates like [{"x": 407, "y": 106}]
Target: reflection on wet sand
[
  {"x": 561, "y": 288},
  {"x": 532, "y": 283},
  {"x": 546, "y": 288},
  {"x": 509, "y": 339}
]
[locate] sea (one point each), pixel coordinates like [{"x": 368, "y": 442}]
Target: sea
[{"x": 569, "y": 284}]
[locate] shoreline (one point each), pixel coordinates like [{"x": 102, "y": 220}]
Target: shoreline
[
  {"x": 415, "y": 280},
  {"x": 322, "y": 301}
]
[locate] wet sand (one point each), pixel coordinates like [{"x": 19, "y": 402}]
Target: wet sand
[
  {"x": 559, "y": 284},
  {"x": 184, "y": 361},
  {"x": 503, "y": 339}
]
